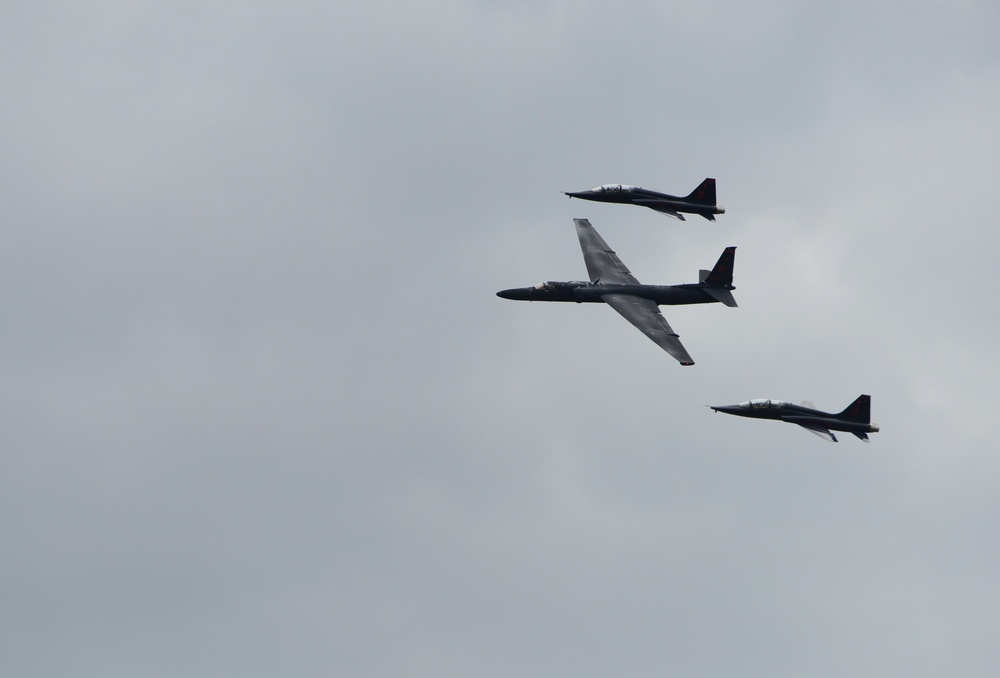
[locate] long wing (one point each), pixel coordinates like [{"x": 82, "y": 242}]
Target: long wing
[
  {"x": 645, "y": 315},
  {"x": 602, "y": 262},
  {"x": 821, "y": 431}
]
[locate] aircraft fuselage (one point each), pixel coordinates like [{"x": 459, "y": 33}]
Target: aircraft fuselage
[
  {"x": 796, "y": 414},
  {"x": 701, "y": 201},
  {"x": 585, "y": 293},
  {"x": 613, "y": 284}
]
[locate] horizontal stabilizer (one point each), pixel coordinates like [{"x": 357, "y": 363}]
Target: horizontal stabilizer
[
  {"x": 863, "y": 436},
  {"x": 721, "y": 294}
]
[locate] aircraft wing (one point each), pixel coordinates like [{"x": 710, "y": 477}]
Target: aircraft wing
[
  {"x": 660, "y": 207},
  {"x": 821, "y": 431},
  {"x": 602, "y": 262},
  {"x": 645, "y": 315}
]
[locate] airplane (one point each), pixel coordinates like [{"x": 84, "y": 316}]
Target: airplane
[
  {"x": 700, "y": 201},
  {"x": 613, "y": 284},
  {"x": 856, "y": 418}
]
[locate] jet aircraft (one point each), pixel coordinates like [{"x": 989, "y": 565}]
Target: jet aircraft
[
  {"x": 700, "y": 201},
  {"x": 856, "y": 418},
  {"x": 613, "y": 284}
]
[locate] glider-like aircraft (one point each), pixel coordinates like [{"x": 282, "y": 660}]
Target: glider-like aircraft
[{"x": 613, "y": 284}]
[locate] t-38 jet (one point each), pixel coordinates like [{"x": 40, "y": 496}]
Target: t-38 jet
[
  {"x": 700, "y": 201},
  {"x": 613, "y": 284},
  {"x": 855, "y": 419}
]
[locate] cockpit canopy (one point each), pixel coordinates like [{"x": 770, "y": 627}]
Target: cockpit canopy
[
  {"x": 614, "y": 188},
  {"x": 553, "y": 285},
  {"x": 762, "y": 404}
]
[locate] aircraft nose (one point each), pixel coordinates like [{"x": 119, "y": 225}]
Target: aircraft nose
[{"x": 517, "y": 293}]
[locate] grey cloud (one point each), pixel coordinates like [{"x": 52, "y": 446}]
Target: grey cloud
[{"x": 264, "y": 414}]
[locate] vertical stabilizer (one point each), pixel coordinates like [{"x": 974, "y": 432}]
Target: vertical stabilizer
[
  {"x": 722, "y": 274},
  {"x": 860, "y": 410},
  {"x": 704, "y": 194}
]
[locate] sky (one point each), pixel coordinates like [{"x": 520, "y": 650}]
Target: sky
[{"x": 263, "y": 413}]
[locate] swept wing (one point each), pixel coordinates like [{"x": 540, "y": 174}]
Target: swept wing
[
  {"x": 604, "y": 265},
  {"x": 821, "y": 431},
  {"x": 662, "y": 208}
]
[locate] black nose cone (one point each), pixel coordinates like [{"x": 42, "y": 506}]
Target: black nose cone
[
  {"x": 517, "y": 293},
  {"x": 726, "y": 409}
]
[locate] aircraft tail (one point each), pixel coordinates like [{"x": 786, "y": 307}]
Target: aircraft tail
[
  {"x": 721, "y": 295},
  {"x": 704, "y": 194},
  {"x": 722, "y": 274},
  {"x": 718, "y": 282},
  {"x": 860, "y": 410}
]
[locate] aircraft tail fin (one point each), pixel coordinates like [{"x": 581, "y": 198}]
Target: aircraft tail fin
[
  {"x": 722, "y": 274},
  {"x": 860, "y": 410},
  {"x": 704, "y": 194}
]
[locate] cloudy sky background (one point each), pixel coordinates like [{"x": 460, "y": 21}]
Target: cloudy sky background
[{"x": 263, "y": 413}]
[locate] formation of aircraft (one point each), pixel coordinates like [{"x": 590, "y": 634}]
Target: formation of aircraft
[
  {"x": 700, "y": 201},
  {"x": 856, "y": 417},
  {"x": 613, "y": 284}
]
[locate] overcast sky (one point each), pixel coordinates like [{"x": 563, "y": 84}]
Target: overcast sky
[{"x": 263, "y": 414}]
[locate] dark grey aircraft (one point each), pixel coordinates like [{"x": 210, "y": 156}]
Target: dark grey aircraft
[
  {"x": 856, "y": 418},
  {"x": 700, "y": 201},
  {"x": 613, "y": 284}
]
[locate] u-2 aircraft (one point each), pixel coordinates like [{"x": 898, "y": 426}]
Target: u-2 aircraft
[
  {"x": 856, "y": 417},
  {"x": 613, "y": 284},
  {"x": 700, "y": 201}
]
